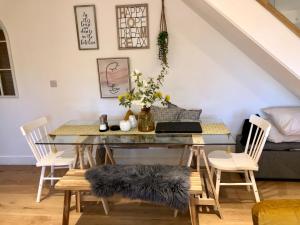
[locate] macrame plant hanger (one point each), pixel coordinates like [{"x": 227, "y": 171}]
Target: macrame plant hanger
[
  {"x": 163, "y": 36},
  {"x": 163, "y": 22}
]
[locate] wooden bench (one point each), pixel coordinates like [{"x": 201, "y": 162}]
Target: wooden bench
[{"x": 75, "y": 181}]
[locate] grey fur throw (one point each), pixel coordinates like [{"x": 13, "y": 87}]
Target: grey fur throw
[{"x": 161, "y": 184}]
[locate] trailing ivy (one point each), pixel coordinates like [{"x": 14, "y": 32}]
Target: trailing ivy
[{"x": 162, "y": 42}]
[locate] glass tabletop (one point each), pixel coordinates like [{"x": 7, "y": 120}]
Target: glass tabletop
[{"x": 88, "y": 134}]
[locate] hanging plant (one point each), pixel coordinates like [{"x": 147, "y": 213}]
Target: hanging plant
[
  {"x": 162, "y": 42},
  {"x": 163, "y": 39}
]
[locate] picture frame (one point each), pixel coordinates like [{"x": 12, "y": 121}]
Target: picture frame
[
  {"x": 86, "y": 27},
  {"x": 133, "y": 26},
  {"x": 114, "y": 76}
]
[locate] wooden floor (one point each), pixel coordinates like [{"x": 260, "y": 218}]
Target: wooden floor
[{"x": 18, "y": 185}]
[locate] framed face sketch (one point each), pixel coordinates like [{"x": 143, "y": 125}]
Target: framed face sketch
[
  {"x": 133, "y": 26},
  {"x": 86, "y": 25},
  {"x": 114, "y": 78}
]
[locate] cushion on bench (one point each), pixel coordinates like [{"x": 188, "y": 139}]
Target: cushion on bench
[{"x": 161, "y": 184}]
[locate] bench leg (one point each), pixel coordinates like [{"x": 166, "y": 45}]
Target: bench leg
[
  {"x": 66, "y": 212},
  {"x": 193, "y": 211},
  {"x": 175, "y": 213},
  {"x": 78, "y": 201}
]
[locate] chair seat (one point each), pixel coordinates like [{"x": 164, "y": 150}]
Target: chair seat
[
  {"x": 56, "y": 159},
  {"x": 227, "y": 161}
]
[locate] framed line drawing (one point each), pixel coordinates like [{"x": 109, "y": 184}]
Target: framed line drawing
[
  {"x": 114, "y": 76},
  {"x": 133, "y": 26},
  {"x": 86, "y": 26}
]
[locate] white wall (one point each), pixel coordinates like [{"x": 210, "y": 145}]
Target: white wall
[{"x": 207, "y": 71}]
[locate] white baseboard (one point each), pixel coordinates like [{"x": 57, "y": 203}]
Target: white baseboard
[{"x": 17, "y": 160}]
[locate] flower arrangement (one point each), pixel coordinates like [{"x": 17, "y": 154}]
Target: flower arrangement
[{"x": 145, "y": 92}]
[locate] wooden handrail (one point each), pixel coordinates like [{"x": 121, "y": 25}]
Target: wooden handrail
[{"x": 268, "y": 6}]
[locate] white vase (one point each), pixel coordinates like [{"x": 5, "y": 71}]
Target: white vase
[
  {"x": 133, "y": 121},
  {"x": 125, "y": 125}
]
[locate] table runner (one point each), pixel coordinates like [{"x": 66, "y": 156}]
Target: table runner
[{"x": 93, "y": 130}]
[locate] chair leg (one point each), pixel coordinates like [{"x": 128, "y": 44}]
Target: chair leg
[
  {"x": 52, "y": 175},
  {"x": 254, "y": 186},
  {"x": 247, "y": 179},
  {"x": 218, "y": 181},
  {"x": 38, "y": 198}
]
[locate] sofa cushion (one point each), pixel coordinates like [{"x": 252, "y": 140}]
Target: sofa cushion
[
  {"x": 272, "y": 146},
  {"x": 165, "y": 114},
  {"x": 286, "y": 119},
  {"x": 276, "y": 137},
  {"x": 186, "y": 114}
]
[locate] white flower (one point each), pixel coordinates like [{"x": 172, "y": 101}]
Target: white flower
[
  {"x": 137, "y": 71},
  {"x": 148, "y": 105},
  {"x": 137, "y": 103}
]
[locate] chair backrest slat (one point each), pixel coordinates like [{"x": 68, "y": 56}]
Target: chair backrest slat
[
  {"x": 47, "y": 137},
  {"x": 256, "y": 142},
  {"x": 33, "y": 132},
  {"x": 253, "y": 142},
  {"x": 33, "y": 148},
  {"x": 255, "y": 145},
  {"x": 248, "y": 139},
  {"x": 35, "y": 138},
  {"x": 258, "y": 153},
  {"x": 46, "y": 148}
]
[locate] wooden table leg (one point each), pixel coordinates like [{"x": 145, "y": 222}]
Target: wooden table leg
[
  {"x": 80, "y": 150},
  {"x": 105, "y": 159},
  {"x": 81, "y": 156},
  {"x": 202, "y": 153},
  {"x": 66, "y": 210},
  {"x": 110, "y": 155},
  {"x": 105, "y": 205},
  {"x": 76, "y": 157},
  {"x": 100, "y": 155},
  {"x": 182, "y": 155},
  {"x": 90, "y": 156}
]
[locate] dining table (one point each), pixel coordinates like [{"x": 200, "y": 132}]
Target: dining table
[{"x": 85, "y": 135}]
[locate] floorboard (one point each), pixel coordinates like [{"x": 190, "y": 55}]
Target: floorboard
[{"x": 18, "y": 185}]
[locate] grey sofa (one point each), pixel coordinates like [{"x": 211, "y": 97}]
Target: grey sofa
[{"x": 278, "y": 160}]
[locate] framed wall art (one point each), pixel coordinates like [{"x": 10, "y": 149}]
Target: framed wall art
[
  {"x": 114, "y": 77},
  {"x": 86, "y": 25},
  {"x": 133, "y": 26}
]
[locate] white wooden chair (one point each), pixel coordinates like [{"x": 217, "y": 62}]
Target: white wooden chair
[
  {"x": 45, "y": 155},
  {"x": 247, "y": 162}
]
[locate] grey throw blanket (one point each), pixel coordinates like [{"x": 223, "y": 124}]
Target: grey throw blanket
[{"x": 161, "y": 184}]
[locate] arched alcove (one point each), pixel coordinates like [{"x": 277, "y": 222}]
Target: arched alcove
[{"x": 7, "y": 77}]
